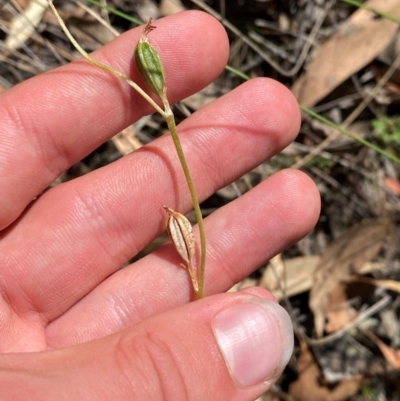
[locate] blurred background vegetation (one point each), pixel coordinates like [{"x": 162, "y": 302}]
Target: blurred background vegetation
[{"x": 341, "y": 59}]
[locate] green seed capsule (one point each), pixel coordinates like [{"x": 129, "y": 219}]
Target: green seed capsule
[{"x": 149, "y": 63}]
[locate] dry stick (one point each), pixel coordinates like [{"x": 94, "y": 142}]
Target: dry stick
[
  {"x": 382, "y": 303},
  {"x": 98, "y": 17},
  {"x": 334, "y": 135},
  {"x": 309, "y": 41},
  {"x": 104, "y": 11}
]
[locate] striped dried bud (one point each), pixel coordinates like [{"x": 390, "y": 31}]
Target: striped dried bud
[
  {"x": 181, "y": 233},
  {"x": 149, "y": 63}
]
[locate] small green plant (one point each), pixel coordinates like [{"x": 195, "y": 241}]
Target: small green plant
[
  {"x": 322, "y": 163},
  {"x": 150, "y": 66},
  {"x": 387, "y": 129}
]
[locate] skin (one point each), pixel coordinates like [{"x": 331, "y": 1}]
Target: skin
[{"x": 74, "y": 326}]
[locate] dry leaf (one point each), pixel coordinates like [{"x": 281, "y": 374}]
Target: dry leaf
[
  {"x": 391, "y": 355},
  {"x": 24, "y": 24},
  {"x": 359, "y": 41},
  {"x": 308, "y": 387},
  {"x": 339, "y": 313},
  {"x": 290, "y": 277},
  {"x": 295, "y": 276},
  {"x": 342, "y": 258},
  {"x": 393, "y": 185},
  {"x": 169, "y": 7},
  {"x": 181, "y": 233}
]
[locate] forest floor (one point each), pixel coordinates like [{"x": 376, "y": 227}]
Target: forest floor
[{"x": 340, "y": 284}]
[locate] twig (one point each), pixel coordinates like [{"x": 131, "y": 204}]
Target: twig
[
  {"x": 309, "y": 42},
  {"x": 343, "y": 128}
]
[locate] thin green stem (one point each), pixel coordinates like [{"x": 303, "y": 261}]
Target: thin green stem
[
  {"x": 328, "y": 122},
  {"x": 116, "y": 12},
  {"x": 198, "y": 283},
  {"x": 237, "y": 72},
  {"x": 350, "y": 134},
  {"x": 178, "y": 146},
  {"x": 374, "y": 10}
]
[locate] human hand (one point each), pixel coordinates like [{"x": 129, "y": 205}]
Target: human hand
[{"x": 75, "y": 327}]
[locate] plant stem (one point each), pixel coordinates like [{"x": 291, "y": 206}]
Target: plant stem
[
  {"x": 170, "y": 119},
  {"x": 375, "y": 11},
  {"x": 102, "y": 66},
  {"x": 174, "y": 133},
  {"x": 349, "y": 134}
]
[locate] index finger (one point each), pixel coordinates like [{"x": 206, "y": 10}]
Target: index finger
[{"x": 82, "y": 106}]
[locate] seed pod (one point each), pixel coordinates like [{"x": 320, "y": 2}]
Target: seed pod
[
  {"x": 149, "y": 63},
  {"x": 181, "y": 234}
]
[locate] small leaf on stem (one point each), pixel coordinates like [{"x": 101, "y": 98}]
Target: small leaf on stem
[{"x": 181, "y": 233}]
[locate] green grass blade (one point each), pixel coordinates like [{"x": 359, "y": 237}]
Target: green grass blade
[
  {"x": 377, "y": 12},
  {"x": 116, "y": 12},
  {"x": 303, "y": 108},
  {"x": 349, "y": 134}
]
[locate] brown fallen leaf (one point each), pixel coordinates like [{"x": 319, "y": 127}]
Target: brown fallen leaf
[
  {"x": 393, "y": 185},
  {"x": 289, "y": 277},
  {"x": 295, "y": 276},
  {"x": 308, "y": 387},
  {"x": 391, "y": 355},
  {"x": 359, "y": 41},
  {"x": 339, "y": 313},
  {"x": 342, "y": 258}
]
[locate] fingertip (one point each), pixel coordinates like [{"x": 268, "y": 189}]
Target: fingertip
[
  {"x": 277, "y": 106},
  {"x": 299, "y": 200},
  {"x": 209, "y": 56},
  {"x": 255, "y": 336},
  {"x": 213, "y": 34},
  {"x": 258, "y": 292},
  {"x": 265, "y": 107}
]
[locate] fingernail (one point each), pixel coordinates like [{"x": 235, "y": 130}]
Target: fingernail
[{"x": 256, "y": 340}]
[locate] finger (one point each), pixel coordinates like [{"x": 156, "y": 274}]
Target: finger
[
  {"x": 117, "y": 210},
  {"x": 242, "y": 236},
  {"x": 227, "y": 347},
  {"x": 79, "y": 233},
  {"x": 52, "y": 121}
]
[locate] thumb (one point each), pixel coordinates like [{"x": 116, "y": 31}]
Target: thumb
[{"x": 225, "y": 347}]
